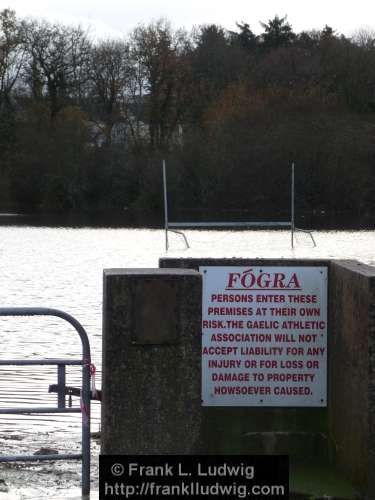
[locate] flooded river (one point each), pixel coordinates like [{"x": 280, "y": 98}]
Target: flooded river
[{"x": 62, "y": 268}]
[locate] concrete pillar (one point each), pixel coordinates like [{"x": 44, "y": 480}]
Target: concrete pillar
[
  {"x": 352, "y": 371},
  {"x": 151, "y": 401}
]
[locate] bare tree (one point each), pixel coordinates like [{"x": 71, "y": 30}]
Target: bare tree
[
  {"x": 58, "y": 62},
  {"x": 12, "y": 54},
  {"x": 162, "y": 70},
  {"x": 110, "y": 75}
]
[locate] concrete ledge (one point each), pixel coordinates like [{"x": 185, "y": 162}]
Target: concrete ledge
[{"x": 195, "y": 263}]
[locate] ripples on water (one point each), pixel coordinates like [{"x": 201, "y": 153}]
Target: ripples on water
[{"x": 62, "y": 268}]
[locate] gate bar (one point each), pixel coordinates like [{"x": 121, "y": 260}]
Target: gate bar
[
  {"x": 34, "y": 458},
  {"x": 25, "y": 362},
  {"x": 37, "y": 409}
]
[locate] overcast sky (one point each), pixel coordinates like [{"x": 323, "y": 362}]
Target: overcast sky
[{"x": 119, "y": 17}]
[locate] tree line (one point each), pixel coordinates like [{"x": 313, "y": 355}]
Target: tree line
[{"x": 84, "y": 124}]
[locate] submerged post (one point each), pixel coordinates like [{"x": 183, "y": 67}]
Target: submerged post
[
  {"x": 61, "y": 381},
  {"x": 165, "y": 206}
]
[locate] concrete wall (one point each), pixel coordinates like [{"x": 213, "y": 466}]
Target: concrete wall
[
  {"x": 301, "y": 433},
  {"x": 352, "y": 370},
  {"x": 346, "y": 429},
  {"x": 152, "y": 373}
]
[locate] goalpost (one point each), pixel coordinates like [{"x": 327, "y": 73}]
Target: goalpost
[{"x": 175, "y": 226}]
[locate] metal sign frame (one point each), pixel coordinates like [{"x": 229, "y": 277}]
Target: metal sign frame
[{"x": 245, "y": 344}]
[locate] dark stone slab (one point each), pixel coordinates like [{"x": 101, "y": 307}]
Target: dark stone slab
[{"x": 155, "y": 303}]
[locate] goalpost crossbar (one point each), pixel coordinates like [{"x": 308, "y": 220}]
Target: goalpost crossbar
[{"x": 228, "y": 224}]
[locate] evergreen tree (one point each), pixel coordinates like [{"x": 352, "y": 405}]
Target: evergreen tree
[{"x": 277, "y": 32}]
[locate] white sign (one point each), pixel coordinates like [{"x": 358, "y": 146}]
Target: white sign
[{"x": 264, "y": 336}]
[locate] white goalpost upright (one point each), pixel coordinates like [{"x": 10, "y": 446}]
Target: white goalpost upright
[
  {"x": 169, "y": 226},
  {"x": 292, "y": 225},
  {"x": 174, "y": 226}
]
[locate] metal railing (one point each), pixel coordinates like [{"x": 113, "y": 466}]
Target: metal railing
[{"x": 84, "y": 408}]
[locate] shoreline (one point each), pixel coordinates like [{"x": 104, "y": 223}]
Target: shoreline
[{"x": 145, "y": 219}]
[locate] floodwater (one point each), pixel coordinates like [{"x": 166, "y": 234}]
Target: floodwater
[{"x": 62, "y": 268}]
